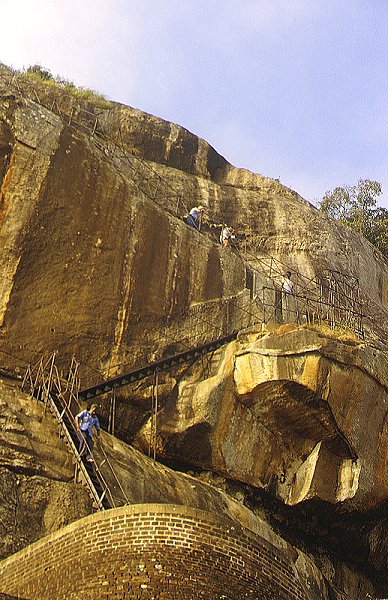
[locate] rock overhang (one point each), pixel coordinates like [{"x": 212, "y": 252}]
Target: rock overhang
[{"x": 293, "y": 416}]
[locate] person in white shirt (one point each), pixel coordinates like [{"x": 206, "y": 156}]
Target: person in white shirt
[
  {"x": 227, "y": 236},
  {"x": 287, "y": 284},
  {"x": 195, "y": 216}
]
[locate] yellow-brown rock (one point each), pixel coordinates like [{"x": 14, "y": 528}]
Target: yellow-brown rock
[
  {"x": 92, "y": 266},
  {"x": 283, "y": 429},
  {"x": 37, "y": 488},
  {"x": 45, "y": 499},
  {"x": 286, "y": 411}
]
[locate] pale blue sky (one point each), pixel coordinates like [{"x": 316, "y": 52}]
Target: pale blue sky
[{"x": 295, "y": 90}]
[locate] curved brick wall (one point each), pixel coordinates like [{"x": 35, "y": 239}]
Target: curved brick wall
[{"x": 151, "y": 551}]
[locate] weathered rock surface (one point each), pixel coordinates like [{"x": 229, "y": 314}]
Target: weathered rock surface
[
  {"x": 90, "y": 263},
  {"x": 37, "y": 491},
  {"x": 293, "y": 411},
  {"x": 298, "y": 414},
  {"x": 292, "y": 423},
  {"x": 92, "y": 266},
  {"x": 36, "y": 505}
]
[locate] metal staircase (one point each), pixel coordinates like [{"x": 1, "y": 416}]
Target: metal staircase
[
  {"x": 60, "y": 397},
  {"x": 156, "y": 366}
]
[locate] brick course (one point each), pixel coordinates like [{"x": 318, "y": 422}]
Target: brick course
[{"x": 152, "y": 551}]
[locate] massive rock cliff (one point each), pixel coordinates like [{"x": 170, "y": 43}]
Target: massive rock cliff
[
  {"x": 91, "y": 265},
  {"x": 283, "y": 429}
]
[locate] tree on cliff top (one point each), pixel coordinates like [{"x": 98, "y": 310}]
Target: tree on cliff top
[{"x": 356, "y": 206}]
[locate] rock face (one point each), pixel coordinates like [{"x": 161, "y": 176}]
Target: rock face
[
  {"x": 41, "y": 505},
  {"x": 92, "y": 266},
  {"x": 283, "y": 429},
  {"x": 286, "y": 411},
  {"x": 38, "y": 495},
  {"x": 102, "y": 263}
]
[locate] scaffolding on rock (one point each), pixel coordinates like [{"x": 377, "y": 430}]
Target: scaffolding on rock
[{"x": 330, "y": 297}]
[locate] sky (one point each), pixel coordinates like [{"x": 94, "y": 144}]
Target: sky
[{"x": 296, "y": 90}]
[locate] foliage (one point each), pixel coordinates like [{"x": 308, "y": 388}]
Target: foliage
[
  {"x": 38, "y": 72},
  {"x": 356, "y": 206},
  {"x": 43, "y": 75}
]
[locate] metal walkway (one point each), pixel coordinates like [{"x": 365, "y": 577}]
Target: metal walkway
[{"x": 160, "y": 365}]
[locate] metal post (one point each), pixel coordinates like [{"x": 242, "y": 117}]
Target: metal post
[
  {"x": 114, "y": 412},
  {"x": 150, "y": 441},
  {"x": 27, "y": 376},
  {"x": 71, "y": 115},
  {"x": 95, "y": 126},
  {"x": 156, "y": 412},
  {"x": 48, "y": 387},
  {"x": 157, "y": 187}
]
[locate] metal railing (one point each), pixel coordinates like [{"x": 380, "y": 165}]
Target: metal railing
[
  {"x": 44, "y": 382},
  {"x": 74, "y": 114}
]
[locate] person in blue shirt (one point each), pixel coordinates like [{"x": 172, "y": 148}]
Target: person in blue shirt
[{"x": 85, "y": 421}]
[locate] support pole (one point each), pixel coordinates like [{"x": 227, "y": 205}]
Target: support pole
[{"x": 156, "y": 378}]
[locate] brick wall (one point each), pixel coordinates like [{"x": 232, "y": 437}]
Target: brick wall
[{"x": 151, "y": 551}]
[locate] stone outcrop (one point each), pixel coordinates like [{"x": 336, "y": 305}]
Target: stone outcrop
[
  {"x": 283, "y": 430},
  {"x": 37, "y": 488},
  {"x": 286, "y": 411},
  {"x": 43, "y": 503},
  {"x": 92, "y": 266},
  {"x": 296, "y": 413}
]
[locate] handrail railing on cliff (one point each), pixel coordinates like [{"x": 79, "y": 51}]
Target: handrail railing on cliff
[
  {"x": 115, "y": 147},
  {"x": 267, "y": 303},
  {"x": 284, "y": 303},
  {"x": 236, "y": 313},
  {"x": 156, "y": 366},
  {"x": 334, "y": 295},
  {"x": 45, "y": 384}
]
